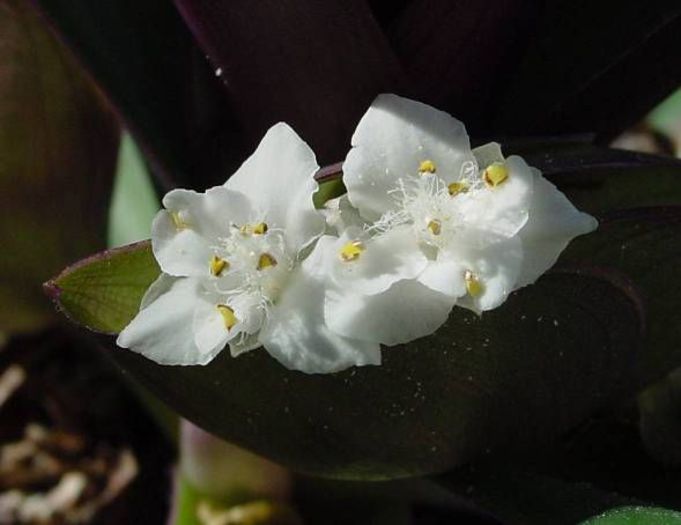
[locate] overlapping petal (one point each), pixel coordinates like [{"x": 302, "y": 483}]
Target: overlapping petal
[
  {"x": 162, "y": 331},
  {"x": 297, "y": 335},
  {"x": 392, "y": 139},
  {"x": 553, "y": 222},
  {"x": 185, "y": 233},
  {"x": 279, "y": 181},
  {"x": 406, "y": 311}
]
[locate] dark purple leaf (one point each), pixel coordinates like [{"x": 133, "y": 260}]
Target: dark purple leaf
[
  {"x": 644, "y": 244},
  {"x": 594, "y": 66},
  {"x": 146, "y": 61},
  {"x": 314, "y": 64},
  {"x": 461, "y": 54}
]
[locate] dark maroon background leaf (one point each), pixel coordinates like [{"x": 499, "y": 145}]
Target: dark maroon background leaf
[
  {"x": 460, "y": 54},
  {"x": 145, "y": 59},
  {"x": 314, "y": 64},
  {"x": 594, "y": 66},
  {"x": 644, "y": 244},
  {"x": 58, "y": 146}
]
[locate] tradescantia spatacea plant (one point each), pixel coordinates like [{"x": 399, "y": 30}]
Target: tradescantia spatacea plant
[{"x": 587, "y": 335}]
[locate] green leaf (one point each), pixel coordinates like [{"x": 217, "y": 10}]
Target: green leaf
[
  {"x": 58, "y": 143},
  {"x": 644, "y": 245},
  {"x": 478, "y": 383},
  {"x": 519, "y": 496},
  {"x": 103, "y": 292},
  {"x": 328, "y": 189},
  {"x": 134, "y": 202},
  {"x": 636, "y": 516}
]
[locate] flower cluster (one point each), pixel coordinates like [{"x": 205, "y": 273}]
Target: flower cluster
[{"x": 426, "y": 224}]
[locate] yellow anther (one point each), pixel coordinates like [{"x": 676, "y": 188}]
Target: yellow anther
[
  {"x": 427, "y": 166},
  {"x": 435, "y": 226},
  {"x": 228, "y": 316},
  {"x": 254, "y": 229},
  {"x": 179, "y": 223},
  {"x": 260, "y": 228},
  {"x": 457, "y": 187},
  {"x": 266, "y": 261},
  {"x": 474, "y": 287},
  {"x": 495, "y": 174},
  {"x": 351, "y": 251},
  {"x": 218, "y": 265}
]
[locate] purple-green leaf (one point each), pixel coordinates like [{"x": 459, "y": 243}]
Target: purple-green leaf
[
  {"x": 477, "y": 384},
  {"x": 58, "y": 144}
]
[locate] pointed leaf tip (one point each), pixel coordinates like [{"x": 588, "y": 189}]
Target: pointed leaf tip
[{"x": 103, "y": 292}]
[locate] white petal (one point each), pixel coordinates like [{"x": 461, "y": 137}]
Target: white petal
[
  {"x": 210, "y": 333},
  {"x": 497, "y": 267},
  {"x": 241, "y": 345},
  {"x": 209, "y": 324},
  {"x": 163, "y": 330},
  {"x": 392, "y": 139},
  {"x": 279, "y": 180},
  {"x": 553, "y": 222},
  {"x": 445, "y": 275},
  {"x": 181, "y": 252},
  {"x": 160, "y": 286},
  {"x": 186, "y": 250},
  {"x": 488, "y": 154},
  {"x": 297, "y": 336},
  {"x": 406, "y": 311},
  {"x": 503, "y": 209},
  {"x": 386, "y": 259},
  {"x": 341, "y": 215}
]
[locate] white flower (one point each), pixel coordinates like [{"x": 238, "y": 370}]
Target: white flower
[
  {"x": 232, "y": 273},
  {"x": 442, "y": 225}
]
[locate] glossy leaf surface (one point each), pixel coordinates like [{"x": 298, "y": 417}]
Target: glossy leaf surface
[
  {"x": 644, "y": 244},
  {"x": 477, "y": 383}
]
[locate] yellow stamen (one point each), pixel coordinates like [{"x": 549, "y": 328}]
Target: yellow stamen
[
  {"x": 228, "y": 316},
  {"x": 266, "y": 261},
  {"x": 474, "y": 287},
  {"x": 427, "y": 166},
  {"x": 457, "y": 187},
  {"x": 495, "y": 174},
  {"x": 351, "y": 251},
  {"x": 435, "y": 227},
  {"x": 218, "y": 265},
  {"x": 179, "y": 223},
  {"x": 260, "y": 228}
]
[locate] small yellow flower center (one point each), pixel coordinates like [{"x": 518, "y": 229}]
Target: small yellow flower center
[
  {"x": 435, "y": 226},
  {"x": 228, "y": 316},
  {"x": 495, "y": 174},
  {"x": 218, "y": 265},
  {"x": 266, "y": 261},
  {"x": 351, "y": 251},
  {"x": 178, "y": 221},
  {"x": 474, "y": 287},
  {"x": 254, "y": 229},
  {"x": 457, "y": 187},
  {"x": 427, "y": 166}
]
